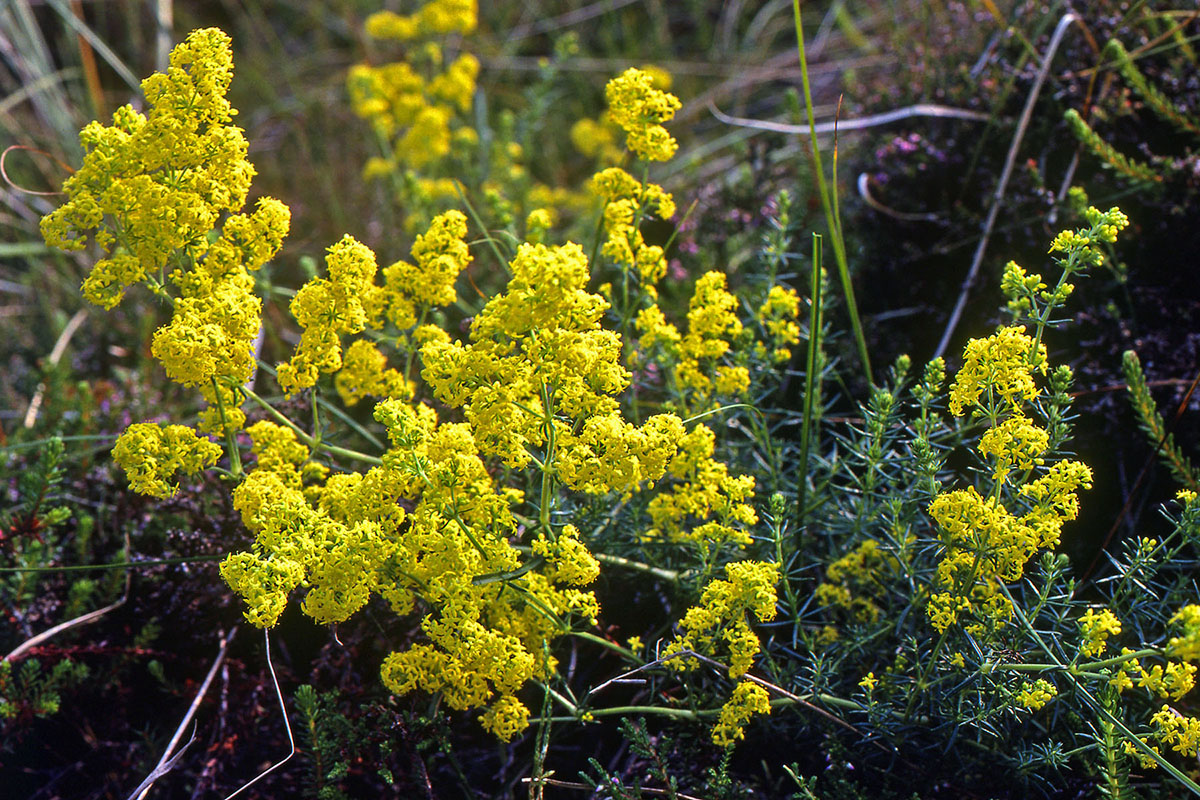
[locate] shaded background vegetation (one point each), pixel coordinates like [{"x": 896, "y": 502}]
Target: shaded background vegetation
[{"x": 929, "y": 184}]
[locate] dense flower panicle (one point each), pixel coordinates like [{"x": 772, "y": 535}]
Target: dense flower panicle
[
  {"x": 707, "y": 506},
  {"x": 328, "y": 308},
  {"x": 612, "y": 455},
  {"x": 437, "y": 18},
  {"x": 1016, "y": 443},
  {"x": 488, "y": 636},
  {"x": 640, "y": 110},
  {"x": 853, "y": 581},
  {"x": 720, "y": 621},
  {"x": 365, "y": 373},
  {"x": 1187, "y": 645},
  {"x": 538, "y": 342},
  {"x": 712, "y": 326},
  {"x": 153, "y": 190},
  {"x": 410, "y": 290},
  {"x": 153, "y": 186},
  {"x": 747, "y": 700},
  {"x": 278, "y": 451},
  {"x": 1095, "y": 628},
  {"x": 297, "y": 544},
  {"x": 596, "y": 139},
  {"x": 1001, "y": 365},
  {"x": 210, "y": 340},
  {"x": 627, "y": 202},
  {"x": 151, "y": 454},
  {"x": 986, "y": 545},
  {"x": 777, "y": 315}
]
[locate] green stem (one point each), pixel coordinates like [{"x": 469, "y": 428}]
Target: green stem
[
  {"x": 810, "y": 381},
  {"x": 235, "y": 455},
  {"x": 114, "y": 564},
  {"x": 827, "y": 205},
  {"x": 303, "y": 436},
  {"x": 1097, "y": 706},
  {"x": 599, "y": 640}
]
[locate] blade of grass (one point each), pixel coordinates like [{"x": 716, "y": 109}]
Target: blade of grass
[
  {"x": 828, "y": 203},
  {"x": 810, "y": 380},
  {"x": 92, "y": 38}
]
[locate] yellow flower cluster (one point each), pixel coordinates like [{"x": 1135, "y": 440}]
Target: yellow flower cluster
[
  {"x": 410, "y": 290},
  {"x": 365, "y": 373},
  {"x": 1180, "y": 732},
  {"x": 151, "y": 454},
  {"x": 596, "y": 139},
  {"x": 777, "y": 315},
  {"x": 720, "y": 621},
  {"x": 853, "y": 581},
  {"x": 640, "y": 110},
  {"x": 152, "y": 190},
  {"x": 707, "y": 506},
  {"x": 747, "y": 700},
  {"x": 416, "y": 106},
  {"x": 985, "y": 545},
  {"x": 1034, "y": 696},
  {"x": 349, "y": 300},
  {"x": 1173, "y": 681},
  {"x": 1186, "y": 646},
  {"x": 490, "y": 621},
  {"x": 278, "y": 452},
  {"x": 1000, "y": 368},
  {"x": 327, "y": 308},
  {"x": 1095, "y": 629},
  {"x": 627, "y": 201},
  {"x": 436, "y": 18},
  {"x": 697, "y": 355},
  {"x": 154, "y": 186}
]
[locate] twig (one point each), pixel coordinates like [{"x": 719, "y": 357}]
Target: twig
[
  {"x": 162, "y": 768},
  {"x": 167, "y": 762},
  {"x": 287, "y": 724},
  {"x": 1022, "y": 125},
  {"x": 862, "y": 123},
  {"x": 21, "y": 189},
  {"x": 83, "y": 619},
  {"x": 864, "y": 191},
  {"x": 60, "y": 346}
]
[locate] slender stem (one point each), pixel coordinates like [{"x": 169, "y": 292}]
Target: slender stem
[
  {"x": 308, "y": 440},
  {"x": 115, "y": 564},
  {"x": 810, "y": 385},
  {"x": 616, "y": 648},
  {"x": 235, "y": 455},
  {"x": 827, "y": 204},
  {"x": 618, "y": 561}
]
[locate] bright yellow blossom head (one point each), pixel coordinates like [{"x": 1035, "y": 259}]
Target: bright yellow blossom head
[{"x": 640, "y": 110}]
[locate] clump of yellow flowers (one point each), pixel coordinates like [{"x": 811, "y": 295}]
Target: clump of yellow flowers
[
  {"x": 492, "y": 439},
  {"x": 161, "y": 195},
  {"x": 987, "y": 544}
]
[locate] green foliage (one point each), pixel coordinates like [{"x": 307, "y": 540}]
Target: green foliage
[
  {"x": 1151, "y": 422},
  {"x": 334, "y": 743},
  {"x": 27, "y": 690},
  {"x": 28, "y": 536},
  {"x": 589, "y": 490}
]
